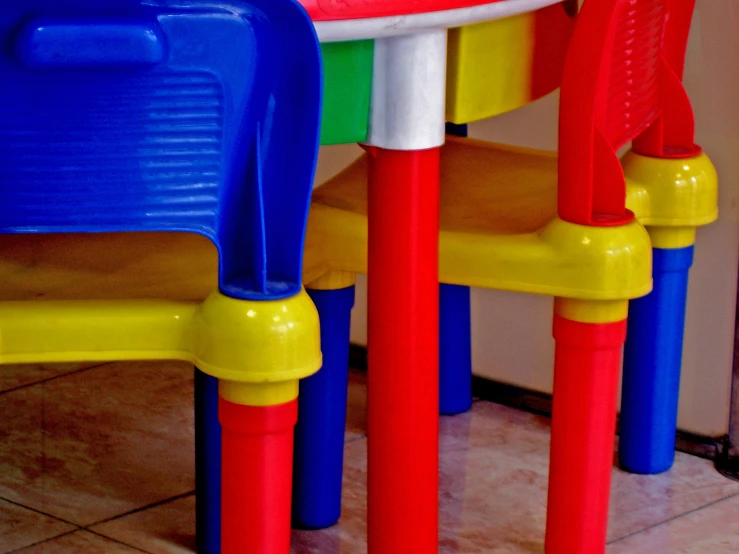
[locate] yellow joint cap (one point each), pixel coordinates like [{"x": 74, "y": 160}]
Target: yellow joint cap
[
  {"x": 262, "y": 394},
  {"x": 589, "y": 311},
  {"x": 672, "y": 237},
  {"x": 680, "y": 192}
]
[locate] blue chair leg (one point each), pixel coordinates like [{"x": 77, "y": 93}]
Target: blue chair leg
[
  {"x": 652, "y": 360},
  {"x": 207, "y": 465},
  {"x": 319, "y": 434},
  {"x": 455, "y": 350},
  {"x": 455, "y": 338}
]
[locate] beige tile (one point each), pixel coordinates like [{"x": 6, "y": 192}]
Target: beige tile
[
  {"x": 356, "y": 409},
  {"x": 165, "y": 529},
  {"x": 349, "y": 535},
  {"x": 80, "y": 542},
  {"x": 493, "y": 482},
  {"x": 19, "y": 375},
  {"x": 96, "y": 444},
  {"x": 640, "y": 501},
  {"x": 711, "y": 530},
  {"x": 21, "y": 527}
]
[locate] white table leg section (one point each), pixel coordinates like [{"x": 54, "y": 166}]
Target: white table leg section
[{"x": 409, "y": 91}]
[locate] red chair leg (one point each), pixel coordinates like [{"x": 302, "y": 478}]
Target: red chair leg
[
  {"x": 403, "y": 339},
  {"x": 257, "y": 447},
  {"x": 587, "y": 365}
]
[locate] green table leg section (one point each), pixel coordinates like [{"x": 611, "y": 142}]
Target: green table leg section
[{"x": 347, "y": 88}]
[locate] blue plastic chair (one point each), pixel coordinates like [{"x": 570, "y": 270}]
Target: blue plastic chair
[{"x": 168, "y": 115}]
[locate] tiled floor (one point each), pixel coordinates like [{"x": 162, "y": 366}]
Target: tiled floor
[{"x": 100, "y": 459}]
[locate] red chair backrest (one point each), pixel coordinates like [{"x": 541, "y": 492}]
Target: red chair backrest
[{"x": 621, "y": 83}]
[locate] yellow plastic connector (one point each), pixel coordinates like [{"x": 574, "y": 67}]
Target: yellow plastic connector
[
  {"x": 257, "y": 349},
  {"x": 672, "y": 192},
  {"x": 588, "y": 311}
]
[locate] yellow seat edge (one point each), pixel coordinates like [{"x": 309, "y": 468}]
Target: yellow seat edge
[{"x": 242, "y": 341}]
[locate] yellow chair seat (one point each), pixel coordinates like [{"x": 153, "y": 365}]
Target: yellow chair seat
[
  {"x": 129, "y": 296},
  {"x": 108, "y": 266},
  {"x": 499, "y": 227}
]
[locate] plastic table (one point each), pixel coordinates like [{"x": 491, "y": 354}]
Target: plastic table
[{"x": 406, "y": 130}]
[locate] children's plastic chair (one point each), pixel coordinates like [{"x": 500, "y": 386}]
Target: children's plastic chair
[
  {"x": 494, "y": 67},
  {"x": 524, "y": 220},
  {"x": 131, "y": 115},
  {"x": 679, "y": 202}
]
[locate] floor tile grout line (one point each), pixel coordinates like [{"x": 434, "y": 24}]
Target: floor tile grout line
[
  {"x": 30, "y": 509},
  {"x": 355, "y": 439},
  {"x": 44, "y": 541},
  {"x": 674, "y": 518},
  {"x": 117, "y": 541},
  {"x": 140, "y": 509},
  {"x": 54, "y": 378}
]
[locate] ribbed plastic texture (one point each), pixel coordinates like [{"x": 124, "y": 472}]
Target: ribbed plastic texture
[
  {"x": 131, "y": 115},
  {"x": 633, "y": 88},
  {"x": 618, "y": 86},
  {"x": 652, "y": 362},
  {"x": 149, "y": 147},
  {"x": 319, "y": 434}
]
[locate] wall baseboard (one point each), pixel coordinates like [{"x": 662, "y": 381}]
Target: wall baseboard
[{"x": 709, "y": 448}]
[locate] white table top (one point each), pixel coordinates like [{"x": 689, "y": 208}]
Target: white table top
[{"x": 378, "y": 27}]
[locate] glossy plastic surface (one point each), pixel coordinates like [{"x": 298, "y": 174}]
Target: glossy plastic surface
[
  {"x": 672, "y": 135},
  {"x": 319, "y": 435},
  {"x": 652, "y": 361},
  {"x": 498, "y": 66},
  {"x": 325, "y": 10},
  {"x": 207, "y": 465},
  {"x": 455, "y": 337},
  {"x": 586, "y": 371},
  {"x": 347, "y": 85},
  {"x": 613, "y": 91},
  {"x": 127, "y": 115},
  {"x": 257, "y": 453},
  {"x": 498, "y": 228},
  {"x": 258, "y": 342},
  {"x": 670, "y": 192},
  {"x": 455, "y": 350},
  {"x": 403, "y": 330}
]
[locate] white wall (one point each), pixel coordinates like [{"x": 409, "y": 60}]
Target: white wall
[{"x": 511, "y": 332}]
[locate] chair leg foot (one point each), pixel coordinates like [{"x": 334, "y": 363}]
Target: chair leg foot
[
  {"x": 257, "y": 451},
  {"x": 455, "y": 350},
  {"x": 587, "y": 363},
  {"x": 207, "y": 465},
  {"x": 652, "y": 364},
  {"x": 319, "y": 434}
]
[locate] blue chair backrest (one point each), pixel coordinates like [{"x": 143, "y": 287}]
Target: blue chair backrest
[{"x": 164, "y": 115}]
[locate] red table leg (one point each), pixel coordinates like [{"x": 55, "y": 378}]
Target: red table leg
[{"x": 403, "y": 360}]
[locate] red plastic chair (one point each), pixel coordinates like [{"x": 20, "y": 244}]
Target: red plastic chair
[{"x": 631, "y": 47}]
